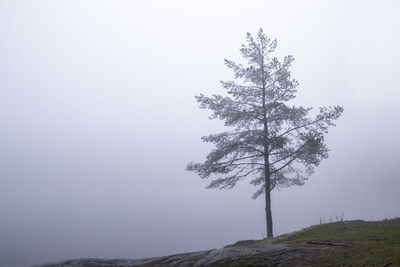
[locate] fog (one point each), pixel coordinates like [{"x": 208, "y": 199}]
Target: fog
[{"x": 98, "y": 122}]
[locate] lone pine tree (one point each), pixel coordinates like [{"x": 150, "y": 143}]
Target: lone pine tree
[{"x": 272, "y": 144}]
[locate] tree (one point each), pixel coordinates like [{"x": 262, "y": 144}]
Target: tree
[{"x": 273, "y": 144}]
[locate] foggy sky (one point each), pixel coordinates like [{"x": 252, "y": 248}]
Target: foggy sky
[{"x": 98, "y": 121}]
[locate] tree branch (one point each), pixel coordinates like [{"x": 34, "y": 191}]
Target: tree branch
[
  {"x": 299, "y": 127},
  {"x": 285, "y": 165},
  {"x": 288, "y": 156}
]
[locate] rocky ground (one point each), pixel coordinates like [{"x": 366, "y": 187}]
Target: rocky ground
[
  {"x": 242, "y": 255},
  {"x": 343, "y": 243}
]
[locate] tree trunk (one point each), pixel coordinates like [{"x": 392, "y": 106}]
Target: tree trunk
[{"x": 268, "y": 213}]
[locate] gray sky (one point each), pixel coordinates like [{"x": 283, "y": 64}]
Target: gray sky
[{"x": 98, "y": 122}]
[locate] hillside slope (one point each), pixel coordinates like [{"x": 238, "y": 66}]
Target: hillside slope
[{"x": 348, "y": 243}]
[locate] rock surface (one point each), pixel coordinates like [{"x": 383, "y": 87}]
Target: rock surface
[{"x": 249, "y": 254}]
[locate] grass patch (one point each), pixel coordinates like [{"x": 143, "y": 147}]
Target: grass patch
[{"x": 372, "y": 243}]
